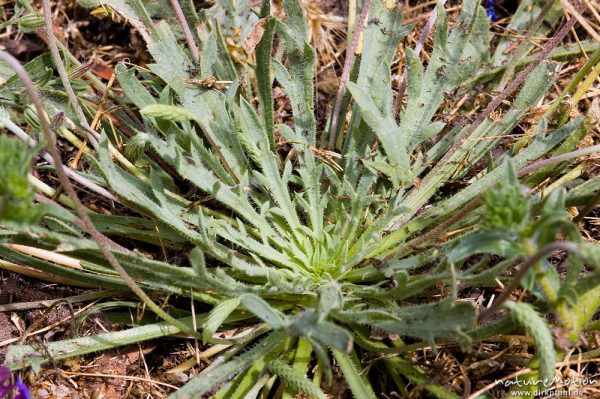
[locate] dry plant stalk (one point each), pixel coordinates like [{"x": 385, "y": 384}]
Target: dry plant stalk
[
  {"x": 522, "y": 270},
  {"x": 101, "y": 240},
  {"x": 510, "y": 89},
  {"x": 189, "y": 37},
  {"x": 350, "y": 54}
]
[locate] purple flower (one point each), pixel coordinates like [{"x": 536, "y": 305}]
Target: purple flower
[
  {"x": 12, "y": 387},
  {"x": 491, "y": 11}
]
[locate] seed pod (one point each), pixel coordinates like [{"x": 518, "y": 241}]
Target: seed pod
[
  {"x": 136, "y": 146},
  {"x": 29, "y": 23}
]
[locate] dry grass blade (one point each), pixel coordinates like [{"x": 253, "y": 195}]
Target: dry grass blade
[
  {"x": 522, "y": 270},
  {"x": 102, "y": 241},
  {"x": 64, "y": 76},
  {"x": 510, "y": 89},
  {"x": 418, "y": 49},
  {"x": 581, "y": 19},
  {"x": 189, "y": 37}
]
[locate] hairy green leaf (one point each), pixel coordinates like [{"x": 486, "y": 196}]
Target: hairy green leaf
[
  {"x": 535, "y": 325},
  {"x": 296, "y": 381}
]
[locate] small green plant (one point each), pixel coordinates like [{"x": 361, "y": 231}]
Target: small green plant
[
  {"x": 311, "y": 248},
  {"x": 16, "y": 195}
]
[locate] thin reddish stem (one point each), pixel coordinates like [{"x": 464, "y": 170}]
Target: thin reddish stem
[
  {"x": 522, "y": 270},
  {"x": 62, "y": 72},
  {"x": 187, "y": 32},
  {"x": 418, "y": 49},
  {"x": 350, "y": 55},
  {"x": 104, "y": 244}
]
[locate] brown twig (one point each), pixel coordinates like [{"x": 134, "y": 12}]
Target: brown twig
[
  {"x": 418, "y": 49},
  {"x": 474, "y": 203},
  {"x": 522, "y": 270},
  {"x": 435, "y": 232},
  {"x": 101, "y": 240},
  {"x": 485, "y": 114},
  {"x": 45, "y": 200},
  {"x": 558, "y": 159},
  {"x": 523, "y": 46},
  {"x": 189, "y": 38},
  {"x": 350, "y": 54},
  {"x": 510, "y": 89},
  {"x": 62, "y": 72},
  {"x": 581, "y": 19},
  {"x": 85, "y": 182},
  {"x": 588, "y": 208}
]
